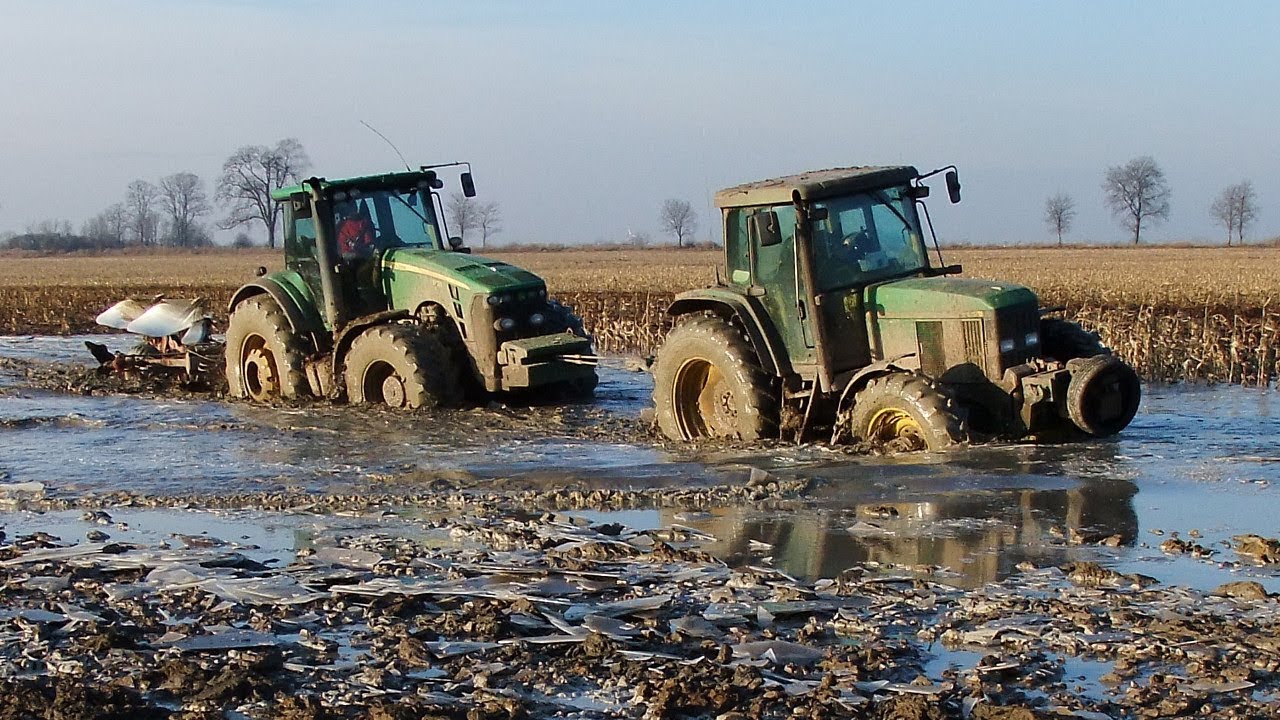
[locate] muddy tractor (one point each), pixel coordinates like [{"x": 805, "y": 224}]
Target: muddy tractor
[
  {"x": 831, "y": 318},
  {"x": 378, "y": 304}
]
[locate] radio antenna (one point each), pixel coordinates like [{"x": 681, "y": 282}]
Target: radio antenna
[{"x": 393, "y": 145}]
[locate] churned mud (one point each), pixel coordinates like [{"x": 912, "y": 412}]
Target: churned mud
[{"x": 165, "y": 554}]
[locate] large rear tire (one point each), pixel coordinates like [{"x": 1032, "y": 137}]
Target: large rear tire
[
  {"x": 902, "y": 412},
  {"x": 708, "y": 384},
  {"x": 263, "y": 354},
  {"x": 402, "y": 366}
]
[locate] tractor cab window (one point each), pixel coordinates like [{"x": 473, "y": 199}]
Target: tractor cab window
[
  {"x": 865, "y": 238},
  {"x": 368, "y": 222}
]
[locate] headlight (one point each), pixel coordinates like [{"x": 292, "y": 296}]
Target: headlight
[
  {"x": 537, "y": 319},
  {"x": 494, "y": 299},
  {"x": 1007, "y": 346},
  {"x": 1033, "y": 339},
  {"x": 504, "y": 324}
]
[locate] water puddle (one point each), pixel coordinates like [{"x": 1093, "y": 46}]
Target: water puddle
[{"x": 1195, "y": 459}]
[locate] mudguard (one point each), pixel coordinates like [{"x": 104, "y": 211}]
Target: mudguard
[
  {"x": 760, "y": 330},
  {"x": 292, "y": 295}
]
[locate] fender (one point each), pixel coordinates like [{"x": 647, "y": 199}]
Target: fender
[
  {"x": 863, "y": 376},
  {"x": 760, "y": 330},
  {"x": 291, "y": 294}
]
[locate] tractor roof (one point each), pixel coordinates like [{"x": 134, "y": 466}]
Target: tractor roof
[
  {"x": 364, "y": 182},
  {"x": 814, "y": 184}
]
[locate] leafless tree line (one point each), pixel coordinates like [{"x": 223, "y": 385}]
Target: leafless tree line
[{"x": 1137, "y": 194}]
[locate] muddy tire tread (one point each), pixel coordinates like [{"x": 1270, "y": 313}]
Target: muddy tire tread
[
  {"x": 1064, "y": 340},
  {"x": 261, "y": 315},
  {"x": 419, "y": 356},
  {"x": 943, "y": 424},
  {"x": 759, "y": 405}
]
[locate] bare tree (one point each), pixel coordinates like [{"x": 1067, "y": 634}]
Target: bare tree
[
  {"x": 140, "y": 204},
  {"x": 464, "y": 214},
  {"x": 1059, "y": 211},
  {"x": 183, "y": 198},
  {"x": 1137, "y": 193},
  {"x": 1235, "y": 208},
  {"x": 679, "y": 220},
  {"x": 108, "y": 228},
  {"x": 488, "y": 220},
  {"x": 249, "y": 176}
]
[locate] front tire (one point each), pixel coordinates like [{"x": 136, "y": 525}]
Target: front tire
[
  {"x": 562, "y": 319},
  {"x": 1103, "y": 395},
  {"x": 263, "y": 354},
  {"x": 1064, "y": 340},
  {"x": 403, "y": 367},
  {"x": 901, "y": 412},
  {"x": 708, "y": 383}
]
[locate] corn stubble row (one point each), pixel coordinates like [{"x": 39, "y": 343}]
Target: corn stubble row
[
  {"x": 1175, "y": 313},
  {"x": 1164, "y": 344}
]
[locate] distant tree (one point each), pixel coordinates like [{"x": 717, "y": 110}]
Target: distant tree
[
  {"x": 1235, "y": 208},
  {"x": 1137, "y": 193},
  {"x": 1059, "y": 211},
  {"x": 243, "y": 241},
  {"x": 50, "y": 236},
  {"x": 140, "y": 203},
  {"x": 488, "y": 220},
  {"x": 184, "y": 201},
  {"x": 464, "y": 214},
  {"x": 679, "y": 220},
  {"x": 249, "y": 176},
  {"x": 108, "y": 228}
]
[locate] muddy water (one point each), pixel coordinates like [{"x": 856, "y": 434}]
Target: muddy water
[{"x": 1195, "y": 458}]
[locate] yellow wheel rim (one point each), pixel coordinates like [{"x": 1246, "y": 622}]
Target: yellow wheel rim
[
  {"x": 703, "y": 401},
  {"x": 895, "y": 428}
]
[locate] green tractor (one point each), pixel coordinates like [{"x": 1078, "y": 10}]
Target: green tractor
[
  {"x": 831, "y": 317},
  {"x": 375, "y": 305}
]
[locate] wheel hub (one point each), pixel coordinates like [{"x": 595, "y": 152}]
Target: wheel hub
[
  {"x": 896, "y": 430},
  {"x": 260, "y": 375},
  {"x": 393, "y": 393}
]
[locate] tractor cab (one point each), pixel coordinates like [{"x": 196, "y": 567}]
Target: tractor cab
[
  {"x": 361, "y": 219},
  {"x": 810, "y": 246}
]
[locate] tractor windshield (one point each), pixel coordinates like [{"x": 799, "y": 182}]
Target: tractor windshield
[
  {"x": 865, "y": 238},
  {"x": 384, "y": 218}
]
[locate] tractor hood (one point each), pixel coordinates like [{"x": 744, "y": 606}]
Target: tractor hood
[
  {"x": 942, "y": 297},
  {"x": 473, "y": 272}
]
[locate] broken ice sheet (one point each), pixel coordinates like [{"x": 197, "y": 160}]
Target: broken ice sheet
[
  {"x": 778, "y": 652},
  {"x": 346, "y": 557},
  {"x": 227, "y": 640}
]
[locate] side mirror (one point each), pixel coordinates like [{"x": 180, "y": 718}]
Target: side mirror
[
  {"x": 953, "y": 186},
  {"x": 468, "y": 185},
  {"x": 455, "y": 244},
  {"x": 764, "y": 229}
]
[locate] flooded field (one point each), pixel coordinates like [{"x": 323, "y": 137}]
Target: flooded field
[{"x": 1168, "y": 501}]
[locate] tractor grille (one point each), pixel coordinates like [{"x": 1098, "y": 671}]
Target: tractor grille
[
  {"x": 975, "y": 350},
  {"x": 954, "y": 350}
]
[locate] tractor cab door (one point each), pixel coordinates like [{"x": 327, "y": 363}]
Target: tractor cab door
[
  {"x": 843, "y": 243},
  {"x": 300, "y": 245},
  {"x": 767, "y": 270}
]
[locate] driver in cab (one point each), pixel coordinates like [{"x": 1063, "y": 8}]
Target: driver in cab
[{"x": 355, "y": 230}]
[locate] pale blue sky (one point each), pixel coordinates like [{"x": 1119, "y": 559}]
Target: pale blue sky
[{"x": 582, "y": 117}]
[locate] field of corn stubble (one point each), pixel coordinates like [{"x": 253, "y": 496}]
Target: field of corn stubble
[{"x": 1175, "y": 313}]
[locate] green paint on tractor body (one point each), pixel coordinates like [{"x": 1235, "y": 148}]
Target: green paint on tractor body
[
  {"x": 374, "y": 249},
  {"x": 829, "y": 278}
]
